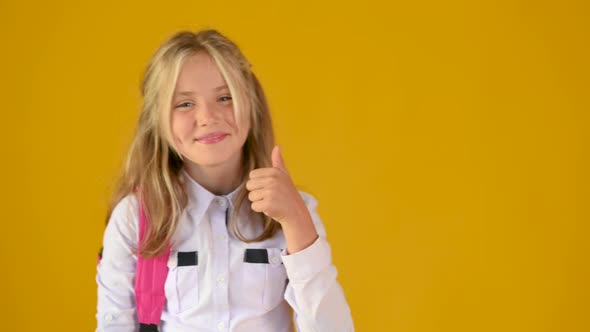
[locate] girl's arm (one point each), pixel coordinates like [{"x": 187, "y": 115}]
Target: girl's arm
[
  {"x": 313, "y": 291},
  {"x": 116, "y": 271}
]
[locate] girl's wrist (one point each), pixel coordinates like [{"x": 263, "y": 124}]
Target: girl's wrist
[
  {"x": 299, "y": 233},
  {"x": 299, "y": 218}
]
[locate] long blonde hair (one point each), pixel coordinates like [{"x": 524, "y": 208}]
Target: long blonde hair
[{"x": 153, "y": 164}]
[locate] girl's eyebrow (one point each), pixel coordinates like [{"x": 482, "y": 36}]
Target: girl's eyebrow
[
  {"x": 184, "y": 93},
  {"x": 190, "y": 93}
]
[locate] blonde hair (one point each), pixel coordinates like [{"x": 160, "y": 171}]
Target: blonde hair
[{"x": 152, "y": 168}]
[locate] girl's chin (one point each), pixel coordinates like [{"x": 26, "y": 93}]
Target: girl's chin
[{"x": 212, "y": 161}]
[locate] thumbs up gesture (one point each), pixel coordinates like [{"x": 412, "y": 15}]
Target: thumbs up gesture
[{"x": 273, "y": 193}]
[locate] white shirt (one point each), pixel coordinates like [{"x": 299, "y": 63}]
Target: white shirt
[{"x": 222, "y": 292}]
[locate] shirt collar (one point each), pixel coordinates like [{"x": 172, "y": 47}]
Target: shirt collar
[{"x": 199, "y": 198}]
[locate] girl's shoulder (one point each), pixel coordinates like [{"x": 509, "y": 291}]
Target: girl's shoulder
[
  {"x": 127, "y": 208},
  {"x": 124, "y": 219}
]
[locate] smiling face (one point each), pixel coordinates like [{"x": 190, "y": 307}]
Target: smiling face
[{"x": 202, "y": 119}]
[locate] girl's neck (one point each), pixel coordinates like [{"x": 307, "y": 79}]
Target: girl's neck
[{"x": 218, "y": 179}]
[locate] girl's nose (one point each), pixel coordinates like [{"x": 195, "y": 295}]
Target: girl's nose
[{"x": 206, "y": 115}]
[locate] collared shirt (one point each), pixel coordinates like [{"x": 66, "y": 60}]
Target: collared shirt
[{"x": 215, "y": 281}]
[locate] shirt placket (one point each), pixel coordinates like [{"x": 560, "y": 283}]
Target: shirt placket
[{"x": 221, "y": 265}]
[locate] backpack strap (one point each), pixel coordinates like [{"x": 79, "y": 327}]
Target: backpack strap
[{"x": 150, "y": 276}]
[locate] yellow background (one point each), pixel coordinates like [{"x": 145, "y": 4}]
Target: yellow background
[{"x": 446, "y": 141}]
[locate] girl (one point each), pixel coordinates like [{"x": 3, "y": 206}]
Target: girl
[{"x": 206, "y": 231}]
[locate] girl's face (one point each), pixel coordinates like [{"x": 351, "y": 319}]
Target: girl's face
[{"x": 202, "y": 116}]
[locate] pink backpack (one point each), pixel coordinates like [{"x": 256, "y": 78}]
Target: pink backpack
[{"x": 150, "y": 276}]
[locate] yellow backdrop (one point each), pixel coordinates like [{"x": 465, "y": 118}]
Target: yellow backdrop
[{"x": 446, "y": 141}]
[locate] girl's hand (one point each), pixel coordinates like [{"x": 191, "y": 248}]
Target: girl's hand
[{"x": 273, "y": 193}]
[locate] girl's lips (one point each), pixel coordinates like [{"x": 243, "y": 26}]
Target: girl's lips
[{"x": 212, "y": 139}]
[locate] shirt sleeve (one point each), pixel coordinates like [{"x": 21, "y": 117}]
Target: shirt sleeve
[
  {"x": 313, "y": 292},
  {"x": 116, "y": 270}
]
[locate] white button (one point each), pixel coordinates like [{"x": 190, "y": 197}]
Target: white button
[
  {"x": 222, "y": 237},
  {"x": 275, "y": 260},
  {"x": 220, "y": 279},
  {"x": 108, "y": 317},
  {"x": 221, "y": 202},
  {"x": 220, "y": 325}
]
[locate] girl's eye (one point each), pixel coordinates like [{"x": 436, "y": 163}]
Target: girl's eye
[
  {"x": 184, "y": 105},
  {"x": 225, "y": 98}
]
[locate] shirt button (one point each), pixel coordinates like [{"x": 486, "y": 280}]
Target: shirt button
[
  {"x": 275, "y": 260},
  {"x": 222, "y": 237},
  {"x": 220, "y": 279},
  {"x": 220, "y": 325},
  {"x": 221, "y": 202},
  {"x": 108, "y": 317}
]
